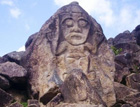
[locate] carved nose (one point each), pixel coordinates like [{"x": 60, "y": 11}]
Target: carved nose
[{"x": 76, "y": 28}]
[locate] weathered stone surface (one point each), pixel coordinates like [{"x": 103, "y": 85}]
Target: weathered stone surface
[
  {"x": 136, "y": 33},
  {"x": 76, "y": 105},
  {"x": 1, "y": 60},
  {"x": 124, "y": 37},
  {"x": 128, "y": 47},
  {"x": 133, "y": 99},
  {"x": 133, "y": 81},
  {"x": 16, "y": 104},
  {"x": 122, "y": 91},
  {"x": 110, "y": 42},
  {"x": 77, "y": 89},
  {"x": 30, "y": 40},
  {"x": 5, "y": 98},
  {"x": 121, "y": 73},
  {"x": 56, "y": 100},
  {"x": 13, "y": 72},
  {"x": 13, "y": 57},
  {"x": 137, "y": 104},
  {"x": 33, "y": 103},
  {"x": 52, "y": 92},
  {"x": 70, "y": 39},
  {"x": 4, "y": 83}
]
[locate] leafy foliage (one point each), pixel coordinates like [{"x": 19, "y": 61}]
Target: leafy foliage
[
  {"x": 24, "y": 104},
  {"x": 116, "y": 51}
]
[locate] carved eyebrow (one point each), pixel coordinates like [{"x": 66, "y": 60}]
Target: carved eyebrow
[{"x": 83, "y": 18}]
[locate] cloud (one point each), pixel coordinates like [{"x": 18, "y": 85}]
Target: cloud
[
  {"x": 7, "y": 2},
  {"x": 21, "y": 49},
  {"x": 128, "y": 18},
  {"x": 15, "y": 12}
]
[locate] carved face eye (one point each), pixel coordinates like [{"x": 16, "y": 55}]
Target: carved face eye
[
  {"x": 68, "y": 22},
  {"x": 82, "y": 22}
]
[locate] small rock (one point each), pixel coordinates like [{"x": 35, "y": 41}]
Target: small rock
[
  {"x": 16, "y": 104},
  {"x": 33, "y": 103}
]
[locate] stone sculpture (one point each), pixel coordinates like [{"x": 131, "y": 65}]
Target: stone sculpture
[{"x": 69, "y": 40}]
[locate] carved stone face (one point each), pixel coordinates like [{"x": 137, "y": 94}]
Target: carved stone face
[{"x": 75, "y": 28}]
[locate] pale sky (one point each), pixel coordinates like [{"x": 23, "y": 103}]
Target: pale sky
[{"x": 21, "y": 18}]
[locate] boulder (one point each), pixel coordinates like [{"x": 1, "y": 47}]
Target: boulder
[
  {"x": 4, "y": 83},
  {"x": 123, "y": 91},
  {"x": 51, "y": 93},
  {"x": 133, "y": 81},
  {"x": 55, "y": 50},
  {"x": 133, "y": 99},
  {"x": 121, "y": 73},
  {"x": 77, "y": 89},
  {"x": 13, "y": 57},
  {"x": 13, "y": 72},
  {"x": 5, "y": 98},
  {"x": 56, "y": 100}
]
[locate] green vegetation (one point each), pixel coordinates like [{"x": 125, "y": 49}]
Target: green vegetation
[
  {"x": 136, "y": 69},
  {"x": 24, "y": 104},
  {"x": 116, "y": 51}
]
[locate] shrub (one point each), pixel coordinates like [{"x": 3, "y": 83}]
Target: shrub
[{"x": 116, "y": 51}]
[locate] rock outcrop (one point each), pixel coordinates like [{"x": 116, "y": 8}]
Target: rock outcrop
[
  {"x": 70, "y": 39},
  {"x": 69, "y": 63},
  {"x": 127, "y": 63}
]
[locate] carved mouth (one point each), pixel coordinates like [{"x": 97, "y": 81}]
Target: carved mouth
[{"x": 76, "y": 37}]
